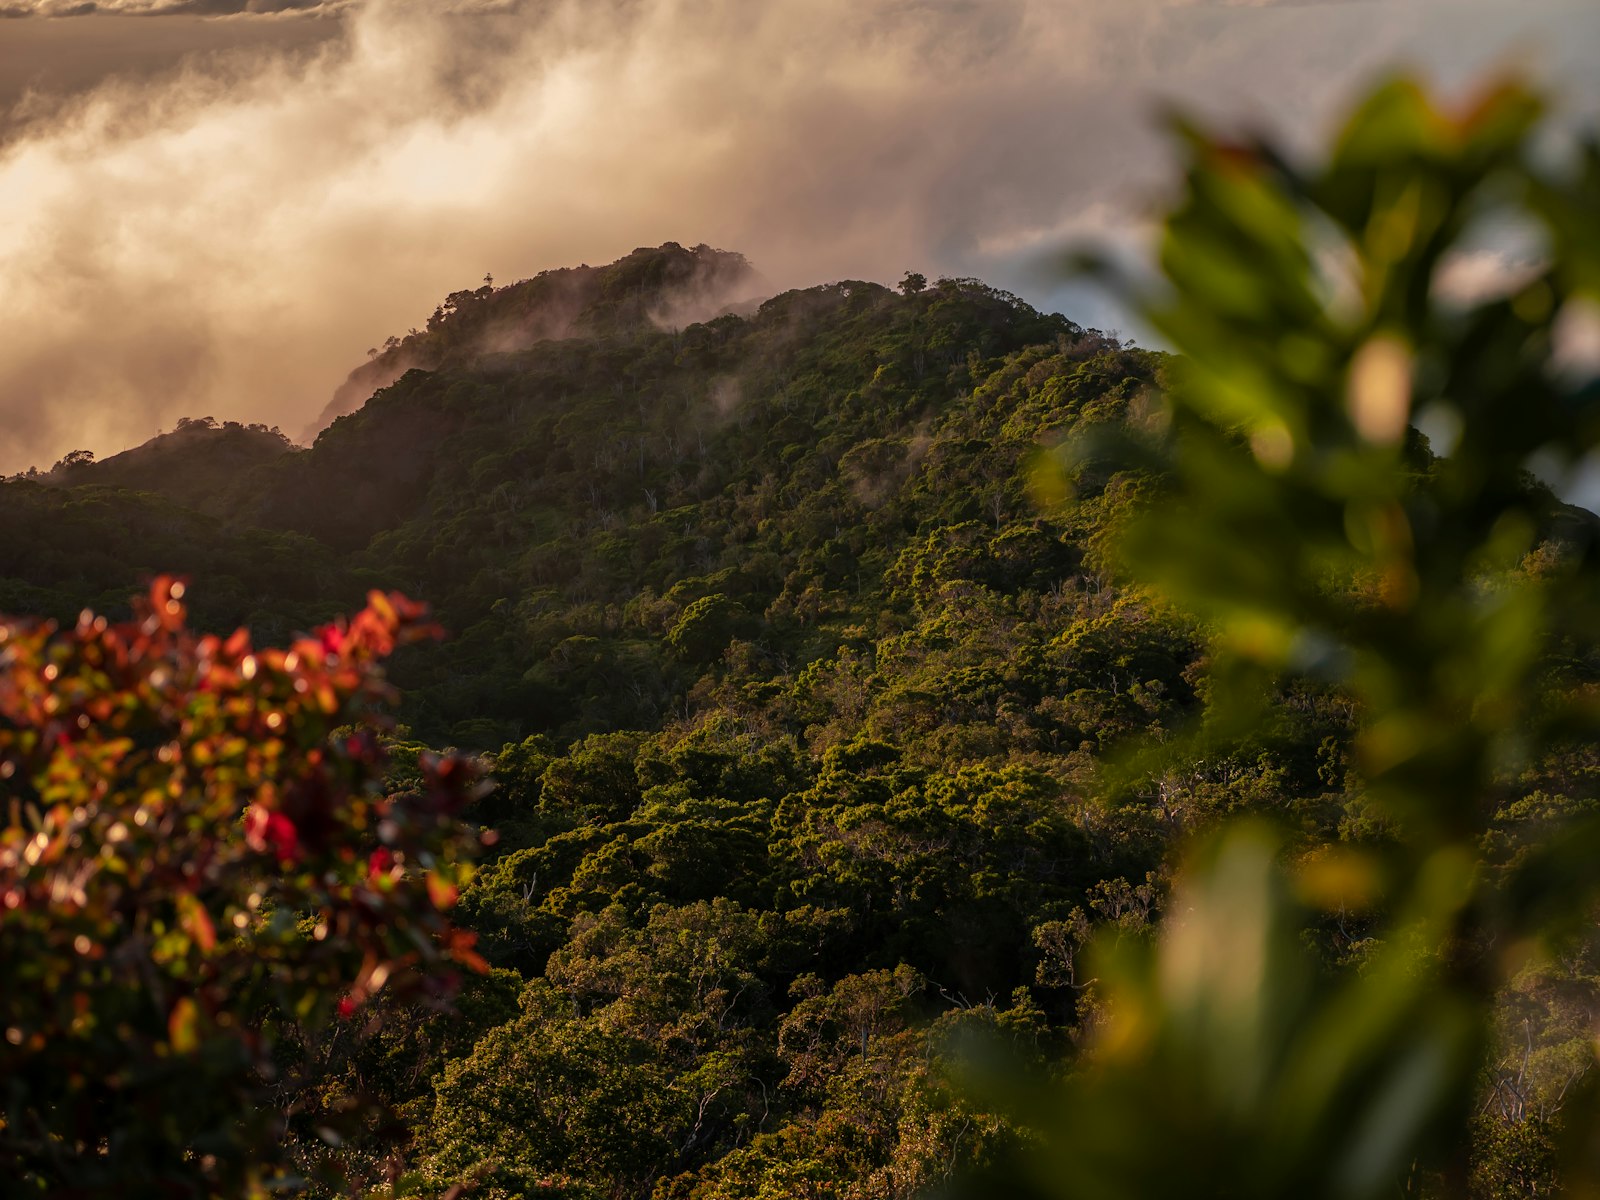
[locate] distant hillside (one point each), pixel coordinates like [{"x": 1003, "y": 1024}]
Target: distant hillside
[
  {"x": 198, "y": 464},
  {"x": 565, "y": 504},
  {"x": 663, "y": 287}
]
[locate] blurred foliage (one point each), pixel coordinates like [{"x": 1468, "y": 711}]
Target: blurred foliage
[
  {"x": 1290, "y": 502},
  {"x": 198, "y": 864}
]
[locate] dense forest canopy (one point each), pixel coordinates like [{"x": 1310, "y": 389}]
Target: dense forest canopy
[{"x": 847, "y": 710}]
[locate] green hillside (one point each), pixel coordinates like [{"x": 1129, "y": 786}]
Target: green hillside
[{"x": 598, "y": 518}]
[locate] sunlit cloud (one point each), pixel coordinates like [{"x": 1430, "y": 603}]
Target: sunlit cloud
[{"x": 229, "y": 238}]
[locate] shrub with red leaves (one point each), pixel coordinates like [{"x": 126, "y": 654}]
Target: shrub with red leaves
[{"x": 195, "y": 853}]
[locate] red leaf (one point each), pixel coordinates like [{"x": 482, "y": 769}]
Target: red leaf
[
  {"x": 441, "y": 891},
  {"x": 197, "y": 923}
]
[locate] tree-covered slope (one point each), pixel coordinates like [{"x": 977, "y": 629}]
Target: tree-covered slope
[{"x": 598, "y": 517}]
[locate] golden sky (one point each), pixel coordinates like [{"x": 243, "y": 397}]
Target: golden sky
[{"x": 217, "y": 214}]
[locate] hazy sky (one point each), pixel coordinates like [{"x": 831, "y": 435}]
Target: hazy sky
[{"x": 214, "y": 207}]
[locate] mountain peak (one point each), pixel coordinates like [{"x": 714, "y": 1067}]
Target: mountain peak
[{"x": 651, "y": 287}]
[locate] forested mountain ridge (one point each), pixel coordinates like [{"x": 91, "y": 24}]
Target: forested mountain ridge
[
  {"x": 796, "y": 698},
  {"x": 578, "y": 496},
  {"x": 650, "y": 288}
]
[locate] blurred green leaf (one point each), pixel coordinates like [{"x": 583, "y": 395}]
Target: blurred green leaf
[{"x": 1295, "y": 508}]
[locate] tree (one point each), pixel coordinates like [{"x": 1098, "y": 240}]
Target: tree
[
  {"x": 74, "y": 459},
  {"x": 706, "y": 626},
  {"x": 198, "y": 856},
  {"x": 1450, "y": 598},
  {"x": 551, "y": 1104}
]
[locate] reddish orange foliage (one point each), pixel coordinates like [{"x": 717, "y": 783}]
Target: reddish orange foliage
[{"x": 197, "y": 848}]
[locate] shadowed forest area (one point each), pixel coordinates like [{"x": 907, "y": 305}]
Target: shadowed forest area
[{"x": 910, "y": 744}]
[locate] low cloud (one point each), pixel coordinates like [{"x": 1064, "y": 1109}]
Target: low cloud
[
  {"x": 168, "y": 8},
  {"x": 225, "y": 8},
  {"x": 229, "y": 238}
]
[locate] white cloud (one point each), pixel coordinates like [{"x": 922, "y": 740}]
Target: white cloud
[{"x": 230, "y": 239}]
